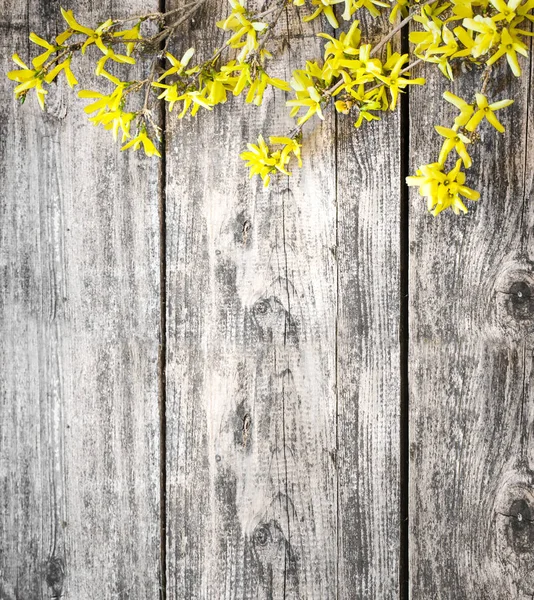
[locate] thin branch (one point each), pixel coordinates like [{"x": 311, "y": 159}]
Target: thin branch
[{"x": 272, "y": 25}]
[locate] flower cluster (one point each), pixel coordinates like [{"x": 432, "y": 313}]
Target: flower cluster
[
  {"x": 264, "y": 161},
  {"x": 349, "y": 74},
  {"x": 354, "y": 77},
  {"x": 481, "y": 31},
  {"x": 443, "y": 189}
]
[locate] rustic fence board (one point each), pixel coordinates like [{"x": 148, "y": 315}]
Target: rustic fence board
[
  {"x": 79, "y": 319},
  {"x": 368, "y": 173},
  {"x": 471, "y": 503},
  {"x": 251, "y": 363}
]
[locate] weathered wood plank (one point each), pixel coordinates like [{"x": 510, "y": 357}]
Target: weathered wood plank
[
  {"x": 251, "y": 362},
  {"x": 471, "y": 349},
  {"x": 79, "y": 317},
  {"x": 369, "y": 204}
]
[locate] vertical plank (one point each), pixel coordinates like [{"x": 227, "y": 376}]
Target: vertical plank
[
  {"x": 369, "y": 205},
  {"x": 79, "y": 317},
  {"x": 471, "y": 354},
  {"x": 251, "y": 364}
]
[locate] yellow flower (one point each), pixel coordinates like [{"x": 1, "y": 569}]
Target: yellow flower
[
  {"x": 453, "y": 140},
  {"x": 28, "y": 79},
  {"x": 506, "y": 11},
  {"x": 115, "y": 120},
  {"x": 336, "y": 50},
  {"x": 104, "y": 102},
  {"x": 307, "y": 96},
  {"x": 466, "y": 38},
  {"x": 487, "y": 36},
  {"x": 400, "y": 8},
  {"x": 395, "y": 82},
  {"x": 510, "y": 47},
  {"x": 39, "y": 61},
  {"x": 130, "y": 34},
  {"x": 177, "y": 65},
  {"x": 466, "y": 110},
  {"x": 291, "y": 146},
  {"x": 364, "y": 113},
  {"x": 194, "y": 99},
  {"x": 242, "y": 28},
  {"x": 487, "y": 110},
  {"x": 324, "y": 7},
  {"x": 260, "y": 161},
  {"x": 65, "y": 67},
  {"x": 142, "y": 139},
  {"x": 170, "y": 93},
  {"x": 93, "y": 35},
  {"x": 351, "y": 6},
  {"x": 109, "y": 54},
  {"x": 442, "y": 190},
  {"x": 259, "y": 85}
]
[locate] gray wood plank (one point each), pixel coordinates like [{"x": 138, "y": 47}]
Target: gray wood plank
[
  {"x": 251, "y": 364},
  {"x": 471, "y": 351},
  {"x": 79, "y": 318},
  {"x": 369, "y": 204}
]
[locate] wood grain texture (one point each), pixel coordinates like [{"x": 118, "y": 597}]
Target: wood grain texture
[
  {"x": 471, "y": 354},
  {"x": 79, "y": 318},
  {"x": 369, "y": 203},
  {"x": 259, "y": 290},
  {"x": 251, "y": 363}
]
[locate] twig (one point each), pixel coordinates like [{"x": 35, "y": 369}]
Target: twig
[
  {"x": 271, "y": 27},
  {"x": 485, "y": 79}
]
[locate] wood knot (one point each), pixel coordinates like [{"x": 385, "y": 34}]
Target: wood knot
[
  {"x": 243, "y": 229},
  {"x": 514, "y": 301},
  {"x": 273, "y": 320},
  {"x": 275, "y": 560},
  {"x": 55, "y": 575},
  {"x": 514, "y": 541},
  {"x": 261, "y": 536},
  {"x": 521, "y": 526}
]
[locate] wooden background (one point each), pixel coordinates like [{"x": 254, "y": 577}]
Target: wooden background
[{"x": 208, "y": 390}]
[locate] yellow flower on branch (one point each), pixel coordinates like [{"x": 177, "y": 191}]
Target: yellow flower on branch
[
  {"x": 262, "y": 161},
  {"x": 133, "y": 34},
  {"x": 395, "y": 82},
  {"x": 466, "y": 110},
  {"x": 93, "y": 35},
  {"x": 259, "y": 160},
  {"x": 109, "y": 54},
  {"x": 142, "y": 139},
  {"x": 114, "y": 121},
  {"x": 510, "y": 47},
  {"x": 454, "y": 140},
  {"x": 487, "y": 37},
  {"x": 505, "y": 11},
  {"x": 65, "y": 67},
  {"x": 486, "y": 110},
  {"x": 39, "y": 61},
  {"x": 28, "y": 79},
  {"x": 325, "y": 7},
  {"x": 306, "y": 98},
  {"x": 442, "y": 190},
  {"x": 177, "y": 65},
  {"x": 291, "y": 146},
  {"x": 242, "y": 27}
]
